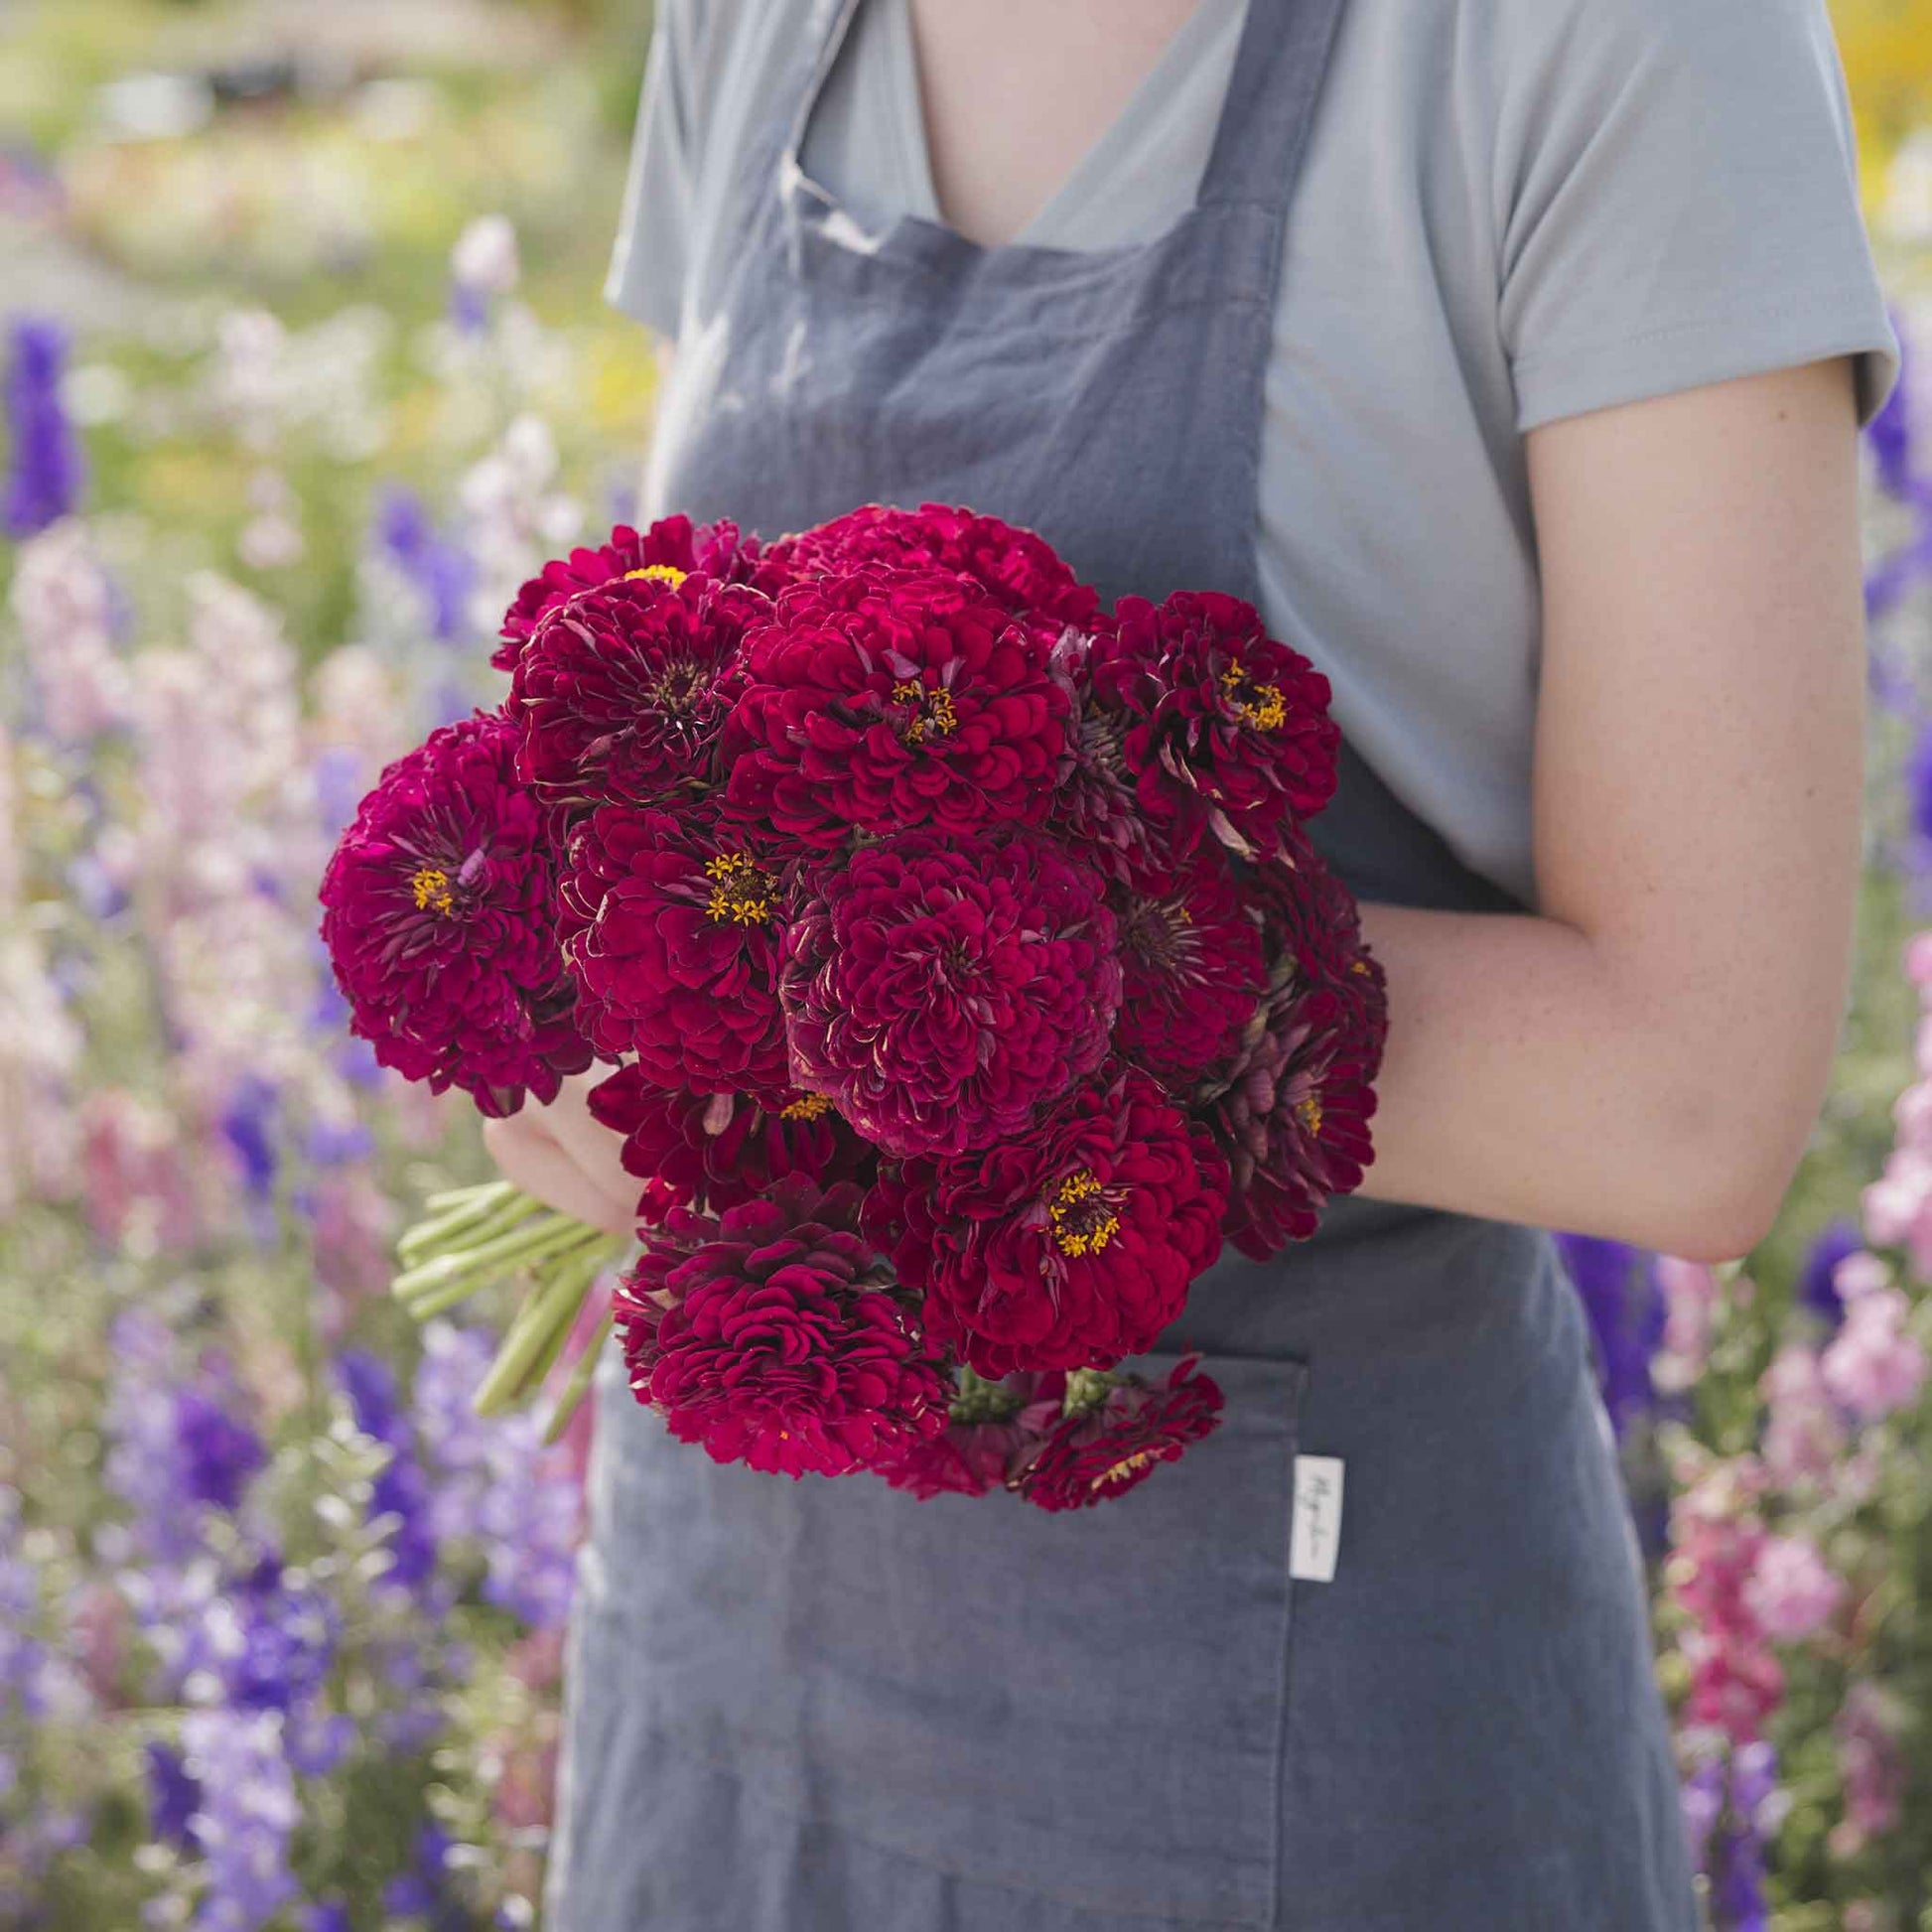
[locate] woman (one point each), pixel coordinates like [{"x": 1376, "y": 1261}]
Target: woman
[{"x": 1509, "y": 356}]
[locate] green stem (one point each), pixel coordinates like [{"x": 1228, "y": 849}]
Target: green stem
[
  {"x": 552, "y": 1304},
  {"x": 428, "y": 1236},
  {"x": 578, "y": 1384},
  {"x": 522, "y": 1245},
  {"x": 515, "y": 1214},
  {"x": 588, "y": 1266},
  {"x": 487, "y": 1191}
]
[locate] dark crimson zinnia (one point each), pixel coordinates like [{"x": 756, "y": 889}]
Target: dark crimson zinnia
[
  {"x": 773, "y": 1336},
  {"x": 938, "y": 991},
  {"x": 1291, "y": 1107},
  {"x": 892, "y": 699},
  {"x": 988, "y": 1438},
  {"x": 621, "y": 691},
  {"x": 669, "y": 550},
  {"x": 439, "y": 913},
  {"x": 1229, "y": 728},
  {"x": 1022, "y": 569},
  {"x": 1102, "y": 1451},
  {"x": 1096, "y": 804},
  {"x": 1067, "y": 1245},
  {"x": 714, "y": 1150},
  {"x": 670, "y": 930},
  {"x": 1192, "y": 961}
]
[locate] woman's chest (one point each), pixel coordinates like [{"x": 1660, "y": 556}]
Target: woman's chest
[{"x": 1011, "y": 95}]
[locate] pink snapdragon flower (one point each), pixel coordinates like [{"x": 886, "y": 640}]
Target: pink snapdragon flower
[
  {"x": 1804, "y": 1431},
  {"x": 1874, "y": 1364},
  {"x": 1865, "y": 1731},
  {"x": 1790, "y": 1589}
]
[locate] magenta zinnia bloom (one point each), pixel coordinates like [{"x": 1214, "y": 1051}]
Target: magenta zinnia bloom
[
  {"x": 1191, "y": 957},
  {"x": 620, "y": 692},
  {"x": 773, "y": 1336},
  {"x": 1066, "y": 1247},
  {"x": 1291, "y": 1108},
  {"x": 1096, "y": 801},
  {"x": 1020, "y": 569},
  {"x": 1229, "y": 728},
  {"x": 939, "y": 991},
  {"x": 719, "y": 1150},
  {"x": 966, "y": 1458},
  {"x": 670, "y": 930},
  {"x": 1103, "y": 1452},
  {"x": 439, "y": 913},
  {"x": 668, "y": 550},
  {"x": 892, "y": 699}
]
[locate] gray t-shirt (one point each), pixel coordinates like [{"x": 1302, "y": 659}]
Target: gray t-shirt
[{"x": 1510, "y": 210}]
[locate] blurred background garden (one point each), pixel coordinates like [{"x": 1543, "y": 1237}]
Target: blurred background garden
[{"x": 307, "y": 368}]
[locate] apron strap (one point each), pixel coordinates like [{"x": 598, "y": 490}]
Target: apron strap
[{"x": 1271, "y": 101}]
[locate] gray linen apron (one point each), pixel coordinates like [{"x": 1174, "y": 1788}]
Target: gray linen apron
[{"x": 820, "y": 1706}]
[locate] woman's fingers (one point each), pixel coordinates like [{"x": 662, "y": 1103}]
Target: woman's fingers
[
  {"x": 532, "y": 1159},
  {"x": 594, "y": 1148}
]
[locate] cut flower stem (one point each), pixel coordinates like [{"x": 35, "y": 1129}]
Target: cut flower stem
[{"x": 477, "y": 1237}]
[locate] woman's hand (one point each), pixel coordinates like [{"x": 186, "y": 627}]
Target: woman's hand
[{"x": 567, "y": 1160}]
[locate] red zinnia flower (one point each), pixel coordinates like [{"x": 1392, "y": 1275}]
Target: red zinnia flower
[
  {"x": 621, "y": 691},
  {"x": 1096, "y": 801},
  {"x": 966, "y": 1458},
  {"x": 670, "y": 548},
  {"x": 892, "y": 699},
  {"x": 440, "y": 919},
  {"x": 1292, "y": 1106},
  {"x": 671, "y": 929},
  {"x": 773, "y": 1336},
  {"x": 1229, "y": 728},
  {"x": 995, "y": 1432},
  {"x": 715, "y": 1150},
  {"x": 939, "y": 991},
  {"x": 1021, "y": 569},
  {"x": 1100, "y": 1452},
  {"x": 1192, "y": 960},
  {"x": 1069, "y": 1246}
]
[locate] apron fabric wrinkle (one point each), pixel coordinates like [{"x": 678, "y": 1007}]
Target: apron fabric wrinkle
[{"x": 824, "y": 1707}]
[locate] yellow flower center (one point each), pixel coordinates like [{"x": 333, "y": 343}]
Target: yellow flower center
[
  {"x": 1263, "y": 708},
  {"x": 1309, "y": 1107},
  {"x": 933, "y": 710},
  {"x": 1083, "y": 1222},
  {"x": 1124, "y": 1468},
  {"x": 810, "y": 1106},
  {"x": 432, "y": 890},
  {"x": 741, "y": 894},
  {"x": 658, "y": 574}
]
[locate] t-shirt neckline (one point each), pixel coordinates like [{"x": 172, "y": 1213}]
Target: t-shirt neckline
[{"x": 1090, "y": 175}]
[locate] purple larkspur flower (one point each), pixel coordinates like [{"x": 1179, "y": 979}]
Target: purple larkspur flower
[
  {"x": 494, "y": 1482},
  {"x": 247, "y": 1125},
  {"x": 247, "y": 1818},
  {"x": 1620, "y": 1293},
  {"x": 443, "y": 570},
  {"x": 46, "y": 473},
  {"x": 173, "y": 1797},
  {"x": 218, "y": 1453},
  {"x": 401, "y": 1489},
  {"x": 1889, "y": 433},
  {"x": 1827, "y": 1248}
]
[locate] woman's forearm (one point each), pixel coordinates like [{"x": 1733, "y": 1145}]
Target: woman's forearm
[{"x": 1524, "y": 1079}]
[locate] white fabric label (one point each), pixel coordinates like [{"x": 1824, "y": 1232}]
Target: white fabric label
[{"x": 1317, "y": 1533}]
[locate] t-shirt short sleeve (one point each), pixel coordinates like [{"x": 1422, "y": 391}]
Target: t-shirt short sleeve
[
  {"x": 651, "y": 255},
  {"x": 1677, "y": 202}
]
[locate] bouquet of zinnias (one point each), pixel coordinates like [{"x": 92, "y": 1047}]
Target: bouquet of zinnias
[{"x": 963, "y": 966}]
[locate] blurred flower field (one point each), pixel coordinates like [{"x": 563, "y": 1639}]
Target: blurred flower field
[{"x": 306, "y": 368}]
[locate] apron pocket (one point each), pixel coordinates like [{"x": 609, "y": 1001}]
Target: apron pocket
[{"x": 1087, "y": 1705}]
